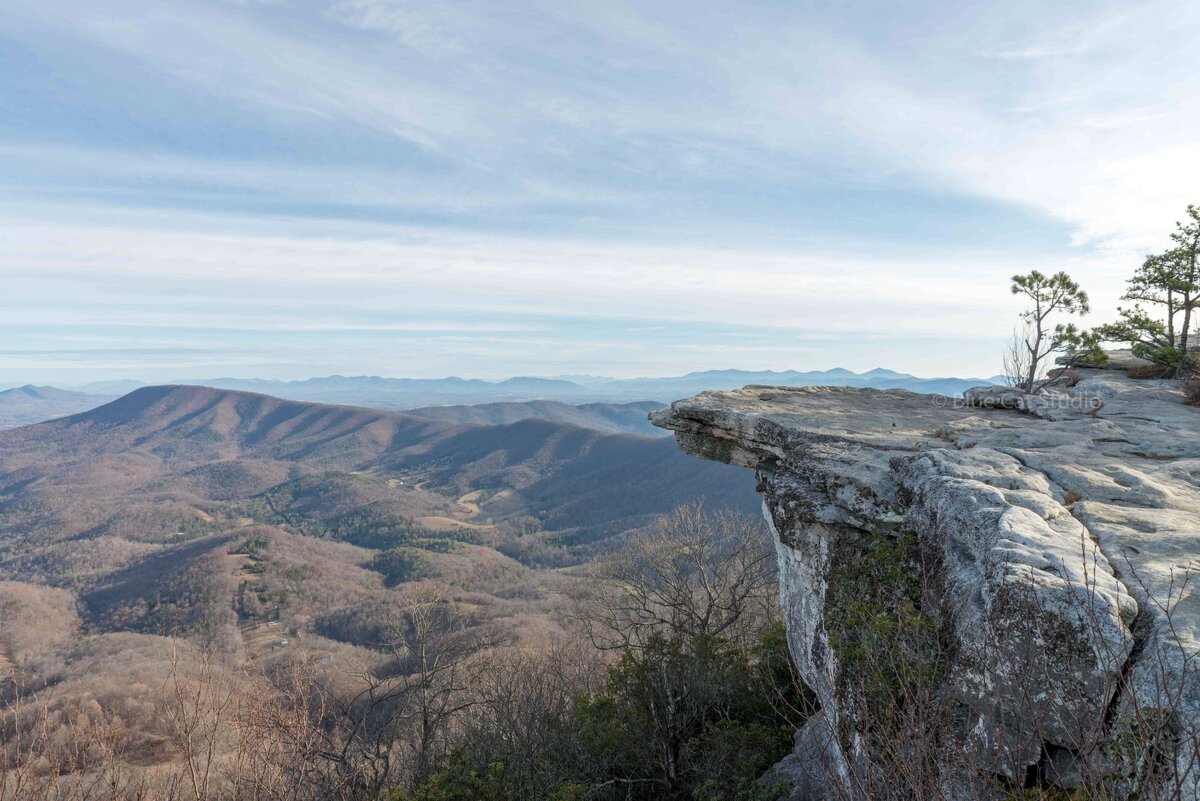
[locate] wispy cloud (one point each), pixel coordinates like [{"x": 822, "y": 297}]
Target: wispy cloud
[
  {"x": 632, "y": 309},
  {"x": 847, "y": 169}
]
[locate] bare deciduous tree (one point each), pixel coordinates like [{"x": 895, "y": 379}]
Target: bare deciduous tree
[
  {"x": 699, "y": 572},
  {"x": 1016, "y": 357},
  {"x": 58, "y": 752},
  {"x": 525, "y": 714},
  {"x": 198, "y": 711},
  {"x": 404, "y": 711},
  {"x": 436, "y": 651}
]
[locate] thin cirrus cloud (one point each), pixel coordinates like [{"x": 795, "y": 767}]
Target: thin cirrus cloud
[{"x": 727, "y": 182}]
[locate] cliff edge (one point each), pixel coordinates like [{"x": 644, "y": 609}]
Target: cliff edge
[{"x": 985, "y": 595}]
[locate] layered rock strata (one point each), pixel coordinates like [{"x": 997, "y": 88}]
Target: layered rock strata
[{"x": 993, "y": 593}]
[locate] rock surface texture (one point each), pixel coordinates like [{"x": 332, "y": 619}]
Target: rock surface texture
[{"x": 985, "y": 594}]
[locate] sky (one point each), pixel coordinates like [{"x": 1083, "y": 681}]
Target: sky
[{"x": 309, "y": 187}]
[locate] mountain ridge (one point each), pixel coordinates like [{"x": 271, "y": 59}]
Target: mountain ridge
[
  {"x": 401, "y": 394},
  {"x": 553, "y": 466},
  {"x": 32, "y": 404}
]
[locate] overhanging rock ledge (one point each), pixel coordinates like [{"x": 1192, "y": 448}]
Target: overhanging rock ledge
[{"x": 1046, "y": 553}]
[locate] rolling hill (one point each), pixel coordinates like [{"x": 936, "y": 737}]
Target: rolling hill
[
  {"x": 175, "y": 476},
  {"x": 286, "y": 538},
  {"x": 274, "y": 531},
  {"x": 614, "y": 418}
]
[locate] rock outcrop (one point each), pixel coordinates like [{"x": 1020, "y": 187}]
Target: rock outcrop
[{"x": 984, "y": 594}]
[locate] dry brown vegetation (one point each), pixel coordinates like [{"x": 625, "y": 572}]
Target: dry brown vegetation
[
  {"x": 698, "y": 573},
  {"x": 1189, "y": 377},
  {"x": 130, "y": 715},
  {"x": 257, "y": 560},
  {"x": 906, "y": 691},
  {"x": 34, "y": 619}
]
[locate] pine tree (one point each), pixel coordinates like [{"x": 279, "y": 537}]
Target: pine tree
[
  {"x": 1050, "y": 295},
  {"x": 1171, "y": 280}
]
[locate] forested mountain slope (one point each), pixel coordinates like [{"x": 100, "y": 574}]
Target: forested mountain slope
[
  {"x": 136, "y": 505},
  {"x": 629, "y": 418}
]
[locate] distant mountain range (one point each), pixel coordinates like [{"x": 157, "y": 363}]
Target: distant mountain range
[
  {"x": 692, "y": 383},
  {"x": 595, "y": 397},
  {"x": 30, "y": 404},
  {"x": 408, "y": 393}
]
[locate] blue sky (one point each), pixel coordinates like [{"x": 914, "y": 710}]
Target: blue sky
[{"x": 294, "y": 188}]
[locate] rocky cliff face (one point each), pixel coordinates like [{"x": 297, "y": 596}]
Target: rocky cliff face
[{"x": 982, "y": 598}]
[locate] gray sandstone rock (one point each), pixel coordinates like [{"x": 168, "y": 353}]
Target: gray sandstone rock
[
  {"x": 1058, "y": 536},
  {"x": 1119, "y": 360}
]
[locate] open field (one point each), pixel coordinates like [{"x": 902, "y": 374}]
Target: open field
[{"x": 437, "y": 523}]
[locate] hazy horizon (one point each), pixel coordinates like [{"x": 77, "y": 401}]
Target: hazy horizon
[
  {"x": 575, "y": 377},
  {"x": 302, "y": 188}
]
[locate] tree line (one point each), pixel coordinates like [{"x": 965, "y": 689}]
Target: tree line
[{"x": 1163, "y": 293}]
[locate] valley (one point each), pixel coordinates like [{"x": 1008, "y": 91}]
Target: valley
[
  {"x": 462, "y": 401},
  {"x": 178, "y": 510}
]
